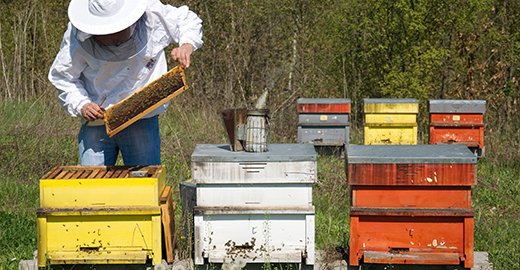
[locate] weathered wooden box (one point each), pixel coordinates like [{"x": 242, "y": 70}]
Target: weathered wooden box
[
  {"x": 257, "y": 235},
  {"x": 324, "y": 121},
  {"x": 324, "y": 135},
  {"x": 282, "y": 164},
  {"x": 411, "y": 236},
  {"x": 410, "y": 165},
  {"x": 420, "y": 195},
  {"x": 256, "y": 206},
  {"x": 324, "y": 105},
  {"x": 390, "y": 121},
  {"x": 281, "y": 176},
  {"x": 101, "y": 215},
  {"x": 99, "y": 235},
  {"x": 107, "y": 186},
  {"x": 262, "y": 195},
  {"x": 458, "y": 122}
]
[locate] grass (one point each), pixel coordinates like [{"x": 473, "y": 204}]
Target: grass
[
  {"x": 496, "y": 200},
  {"x": 37, "y": 135},
  {"x": 17, "y": 238},
  {"x": 331, "y": 198}
]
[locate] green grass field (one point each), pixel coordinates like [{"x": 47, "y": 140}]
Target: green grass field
[{"x": 36, "y": 136}]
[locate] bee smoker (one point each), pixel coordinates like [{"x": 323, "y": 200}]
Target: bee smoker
[
  {"x": 249, "y": 129},
  {"x": 257, "y": 131}
]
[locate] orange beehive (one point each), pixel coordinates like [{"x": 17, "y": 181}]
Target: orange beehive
[
  {"x": 411, "y": 204},
  {"x": 458, "y": 122}
]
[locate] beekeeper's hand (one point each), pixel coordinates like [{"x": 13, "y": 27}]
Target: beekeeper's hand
[
  {"x": 182, "y": 54},
  {"x": 91, "y": 111}
]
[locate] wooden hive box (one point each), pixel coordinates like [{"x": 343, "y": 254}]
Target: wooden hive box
[
  {"x": 411, "y": 204},
  {"x": 324, "y": 105},
  {"x": 223, "y": 233},
  {"x": 324, "y": 122},
  {"x": 144, "y": 101},
  {"x": 109, "y": 235},
  {"x": 227, "y": 178},
  {"x": 237, "y": 190},
  {"x": 109, "y": 186},
  {"x": 411, "y": 236},
  {"x": 458, "y": 122},
  {"x": 390, "y": 121},
  {"x": 104, "y": 215}
]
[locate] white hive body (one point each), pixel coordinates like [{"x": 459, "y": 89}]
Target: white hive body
[{"x": 254, "y": 207}]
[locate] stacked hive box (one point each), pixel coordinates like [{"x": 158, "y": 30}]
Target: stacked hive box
[
  {"x": 254, "y": 206},
  {"x": 458, "y": 122},
  {"x": 390, "y": 121},
  {"x": 411, "y": 204},
  {"x": 324, "y": 121},
  {"x": 101, "y": 215}
]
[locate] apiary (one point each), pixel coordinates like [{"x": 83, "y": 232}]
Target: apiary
[
  {"x": 390, "y": 121},
  {"x": 411, "y": 204},
  {"x": 102, "y": 215},
  {"x": 458, "y": 122},
  {"x": 241, "y": 195},
  {"x": 324, "y": 121}
]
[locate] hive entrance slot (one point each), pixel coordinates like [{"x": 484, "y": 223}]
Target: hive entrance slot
[
  {"x": 398, "y": 250},
  {"x": 89, "y": 249},
  {"x": 246, "y": 246}
]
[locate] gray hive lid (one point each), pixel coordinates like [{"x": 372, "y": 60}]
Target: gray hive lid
[
  {"x": 276, "y": 153},
  {"x": 323, "y": 100},
  {"x": 410, "y": 154},
  {"x": 390, "y": 100},
  {"x": 457, "y": 106}
]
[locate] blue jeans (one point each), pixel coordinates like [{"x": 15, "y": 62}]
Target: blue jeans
[{"x": 139, "y": 143}]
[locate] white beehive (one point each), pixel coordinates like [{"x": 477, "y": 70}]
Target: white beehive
[{"x": 254, "y": 206}]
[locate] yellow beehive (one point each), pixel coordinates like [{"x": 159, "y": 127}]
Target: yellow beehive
[
  {"x": 100, "y": 215},
  {"x": 86, "y": 186},
  {"x": 390, "y": 121}
]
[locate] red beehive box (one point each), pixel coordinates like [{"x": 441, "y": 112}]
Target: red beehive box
[
  {"x": 324, "y": 105},
  {"x": 411, "y": 204},
  {"x": 458, "y": 122},
  {"x": 415, "y": 236}
]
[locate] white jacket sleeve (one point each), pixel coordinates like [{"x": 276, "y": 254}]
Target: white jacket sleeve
[
  {"x": 181, "y": 24},
  {"x": 65, "y": 74}
]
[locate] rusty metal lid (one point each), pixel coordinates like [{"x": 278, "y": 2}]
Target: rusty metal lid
[
  {"x": 457, "y": 106},
  {"x": 411, "y": 154},
  {"x": 276, "y": 153}
]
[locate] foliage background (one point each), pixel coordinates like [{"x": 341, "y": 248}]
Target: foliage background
[
  {"x": 437, "y": 49},
  {"x": 440, "y": 49}
]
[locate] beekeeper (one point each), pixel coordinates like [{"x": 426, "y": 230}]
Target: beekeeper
[{"x": 111, "y": 49}]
